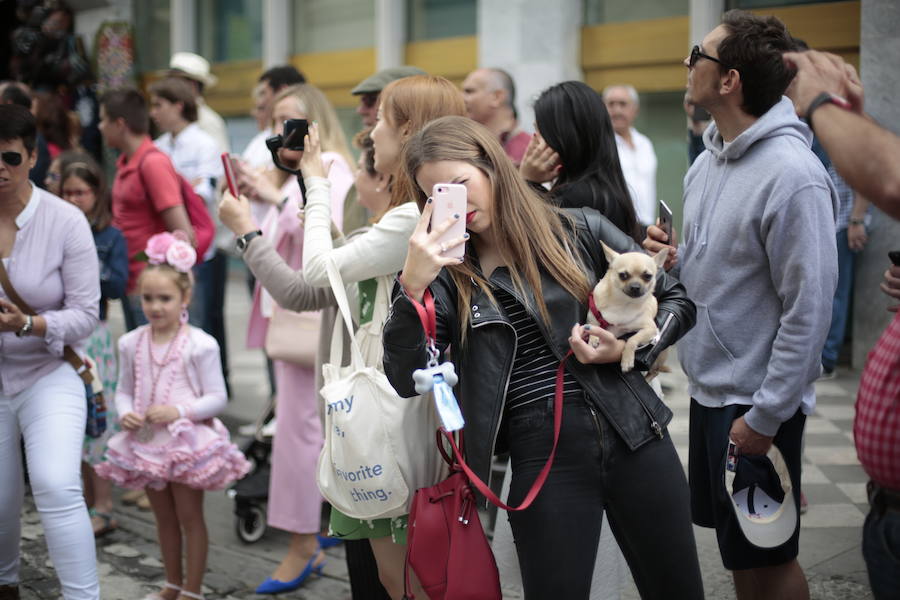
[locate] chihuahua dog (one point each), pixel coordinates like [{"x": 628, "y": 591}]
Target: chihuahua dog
[{"x": 623, "y": 301}]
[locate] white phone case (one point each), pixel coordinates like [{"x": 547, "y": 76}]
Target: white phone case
[{"x": 450, "y": 199}]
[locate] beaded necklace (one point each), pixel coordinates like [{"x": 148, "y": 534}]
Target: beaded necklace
[{"x": 173, "y": 351}]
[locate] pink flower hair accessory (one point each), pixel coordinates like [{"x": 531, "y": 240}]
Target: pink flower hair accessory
[{"x": 173, "y": 249}]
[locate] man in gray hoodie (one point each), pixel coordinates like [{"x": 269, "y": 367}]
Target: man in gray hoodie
[{"x": 759, "y": 260}]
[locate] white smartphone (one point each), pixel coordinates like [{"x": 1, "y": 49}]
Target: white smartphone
[
  {"x": 450, "y": 199},
  {"x": 665, "y": 218}
]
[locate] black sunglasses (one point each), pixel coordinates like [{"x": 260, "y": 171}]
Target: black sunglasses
[
  {"x": 13, "y": 159},
  {"x": 696, "y": 55}
]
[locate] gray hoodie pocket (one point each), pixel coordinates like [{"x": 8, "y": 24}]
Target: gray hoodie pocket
[{"x": 706, "y": 360}]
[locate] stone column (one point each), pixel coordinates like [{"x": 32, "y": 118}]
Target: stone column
[
  {"x": 183, "y": 26},
  {"x": 705, "y": 16},
  {"x": 536, "y": 46},
  {"x": 390, "y": 33},
  {"x": 276, "y": 39},
  {"x": 879, "y": 56}
]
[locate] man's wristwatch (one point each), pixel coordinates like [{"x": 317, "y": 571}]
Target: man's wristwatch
[
  {"x": 27, "y": 327},
  {"x": 824, "y": 98},
  {"x": 244, "y": 240}
]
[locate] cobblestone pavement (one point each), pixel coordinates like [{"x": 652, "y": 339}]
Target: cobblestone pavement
[{"x": 129, "y": 561}]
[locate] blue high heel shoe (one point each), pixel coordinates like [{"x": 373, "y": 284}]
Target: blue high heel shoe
[
  {"x": 327, "y": 542},
  {"x": 274, "y": 586}
]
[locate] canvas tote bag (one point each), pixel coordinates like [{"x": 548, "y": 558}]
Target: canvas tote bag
[{"x": 378, "y": 446}]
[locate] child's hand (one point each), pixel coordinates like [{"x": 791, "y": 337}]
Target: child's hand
[
  {"x": 608, "y": 349},
  {"x": 131, "y": 421},
  {"x": 162, "y": 414}
]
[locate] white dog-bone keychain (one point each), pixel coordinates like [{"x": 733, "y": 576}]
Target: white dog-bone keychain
[{"x": 437, "y": 377}]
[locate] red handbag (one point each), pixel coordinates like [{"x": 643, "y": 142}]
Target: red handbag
[{"x": 446, "y": 545}]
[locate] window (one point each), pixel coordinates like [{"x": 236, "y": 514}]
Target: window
[
  {"x": 229, "y": 29},
  {"x": 151, "y": 30},
  {"x": 326, "y": 25},
  {"x": 752, "y": 4},
  {"x": 436, "y": 19},
  {"x": 597, "y": 12}
]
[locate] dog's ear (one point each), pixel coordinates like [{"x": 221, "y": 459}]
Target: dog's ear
[
  {"x": 610, "y": 254},
  {"x": 660, "y": 258}
]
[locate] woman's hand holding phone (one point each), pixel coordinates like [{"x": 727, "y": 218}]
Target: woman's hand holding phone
[
  {"x": 424, "y": 260},
  {"x": 234, "y": 212},
  {"x": 311, "y": 161}
]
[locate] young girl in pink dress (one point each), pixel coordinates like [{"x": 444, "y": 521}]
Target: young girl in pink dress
[{"x": 170, "y": 389}]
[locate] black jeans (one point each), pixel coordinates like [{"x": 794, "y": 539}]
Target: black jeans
[{"x": 644, "y": 492}]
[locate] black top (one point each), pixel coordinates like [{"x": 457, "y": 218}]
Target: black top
[{"x": 533, "y": 375}]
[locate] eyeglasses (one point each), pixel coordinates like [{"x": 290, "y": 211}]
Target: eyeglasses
[
  {"x": 696, "y": 55},
  {"x": 13, "y": 159}
]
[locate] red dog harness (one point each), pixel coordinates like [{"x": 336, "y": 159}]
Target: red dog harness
[{"x": 592, "y": 306}]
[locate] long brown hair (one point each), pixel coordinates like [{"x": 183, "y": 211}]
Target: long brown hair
[
  {"x": 411, "y": 103},
  {"x": 528, "y": 232},
  {"x": 90, "y": 172}
]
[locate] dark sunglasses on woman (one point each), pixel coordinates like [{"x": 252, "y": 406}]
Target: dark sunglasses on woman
[{"x": 13, "y": 159}]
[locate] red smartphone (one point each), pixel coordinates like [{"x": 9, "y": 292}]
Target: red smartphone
[
  {"x": 230, "y": 173},
  {"x": 450, "y": 199}
]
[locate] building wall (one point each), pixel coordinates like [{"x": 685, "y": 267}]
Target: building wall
[{"x": 641, "y": 42}]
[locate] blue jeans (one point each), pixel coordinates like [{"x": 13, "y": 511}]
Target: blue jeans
[
  {"x": 840, "y": 307},
  {"x": 881, "y": 550}
]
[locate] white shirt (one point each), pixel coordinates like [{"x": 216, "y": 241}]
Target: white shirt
[
  {"x": 639, "y": 168},
  {"x": 195, "y": 155},
  {"x": 256, "y": 155},
  {"x": 213, "y": 124}
]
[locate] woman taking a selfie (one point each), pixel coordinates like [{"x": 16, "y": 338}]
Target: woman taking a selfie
[
  {"x": 369, "y": 259},
  {"x": 507, "y": 309}
]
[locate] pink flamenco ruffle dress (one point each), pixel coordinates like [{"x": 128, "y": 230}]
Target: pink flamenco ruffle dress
[{"x": 195, "y": 449}]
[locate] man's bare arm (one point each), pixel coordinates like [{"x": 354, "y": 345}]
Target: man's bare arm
[
  {"x": 866, "y": 155},
  {"x": 177, "y": 218}
]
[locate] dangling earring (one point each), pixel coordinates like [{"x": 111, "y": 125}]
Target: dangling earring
[{"x": 184, "y": 314}]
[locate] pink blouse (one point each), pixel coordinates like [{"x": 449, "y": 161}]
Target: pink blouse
[
  {"x": 54, "y": 268},
  {"x": 288, "y": 240}
]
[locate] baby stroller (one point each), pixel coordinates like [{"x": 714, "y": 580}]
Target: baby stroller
[{"x": 251, "y": 493}]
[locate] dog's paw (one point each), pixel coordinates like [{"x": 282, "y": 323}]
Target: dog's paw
[{"x": 627, "y": 360}]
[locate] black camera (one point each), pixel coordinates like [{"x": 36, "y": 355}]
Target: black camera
[{"x": 292, "y": 139}]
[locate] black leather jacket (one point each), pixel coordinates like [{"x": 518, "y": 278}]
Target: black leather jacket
[{"x": 485, "y": 362}]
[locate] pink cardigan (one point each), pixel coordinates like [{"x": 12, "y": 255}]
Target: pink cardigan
[{"x": 288, "y": 241}]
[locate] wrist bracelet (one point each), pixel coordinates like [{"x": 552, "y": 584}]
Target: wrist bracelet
[{"x": 857, "y": 221}]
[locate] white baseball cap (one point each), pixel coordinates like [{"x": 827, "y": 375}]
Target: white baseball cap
[
  {"x": 761, "y": 495},
  {"x": 193, "y": 66}
]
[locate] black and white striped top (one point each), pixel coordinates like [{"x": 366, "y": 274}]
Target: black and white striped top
[{"x": 534, "y": 366}]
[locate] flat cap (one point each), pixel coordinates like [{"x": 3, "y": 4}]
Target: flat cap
[{"x": 377, "y": 82}]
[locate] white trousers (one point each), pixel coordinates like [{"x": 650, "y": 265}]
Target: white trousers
[{"x": 50, "y": 416}]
